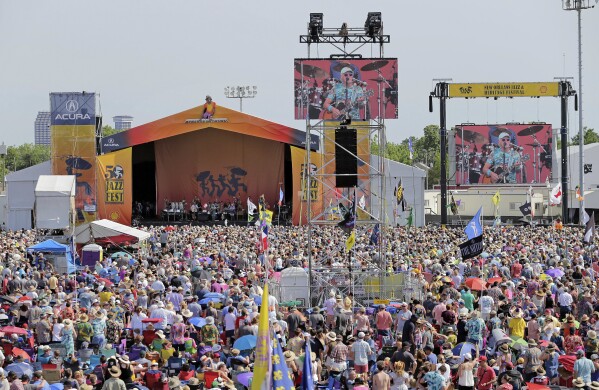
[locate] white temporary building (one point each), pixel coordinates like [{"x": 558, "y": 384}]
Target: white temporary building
[
  {"x": 413, "y": 183},
  {"x": 20, "y": 191},
  {"x": 55, "y": 202},
  {"x": 106, "y": 231}
]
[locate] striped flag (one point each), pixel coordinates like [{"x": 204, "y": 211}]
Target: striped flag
[{"x": 262, "y": 379}]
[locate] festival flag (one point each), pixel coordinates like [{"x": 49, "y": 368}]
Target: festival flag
[
  {"x": 410, "y": 148},
  {"x": 281, "y": 377},
  {"x": 351, "y": 241},
  {"x": 579, "y": 196},
  {"x": 376, "y": 233},
  {"x": 589, "y": 231},
  {"x": 362, "y": 203},
  {"x": 399, "y": 195},
  {"x": 262, "y": 379},
  {"x": 555, "y": 197},
  {"x": 281, "y": 195},
  {"x": 496, "y": 198},
  {"x": 307, "y": 377},
  {"x": 251, "y": 209},
  {"x": 264, "y": 236},
  {"x": 585, "y": 217},
  {"x": 474, "y": 227},
  {"x": 526, "y": 209},
  {"x": 453, "y": 206}
]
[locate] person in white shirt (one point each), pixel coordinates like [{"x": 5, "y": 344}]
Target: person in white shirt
[
  {"x": 486, "y": 304},
  {"x": 565, "y": 304},
  {"x": 229, "y": 321}
]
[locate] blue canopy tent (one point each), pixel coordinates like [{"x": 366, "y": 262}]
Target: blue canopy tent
[{"x": 60, "y": 250}]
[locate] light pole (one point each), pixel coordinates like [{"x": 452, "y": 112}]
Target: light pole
[
  {"x": 241, "y": 92},
  {"x": 3, "y": 152},
  {"x": 578, "y": 6}
]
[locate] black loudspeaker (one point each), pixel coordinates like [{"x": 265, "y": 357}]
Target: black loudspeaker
[{"x": 346, "y": 162}]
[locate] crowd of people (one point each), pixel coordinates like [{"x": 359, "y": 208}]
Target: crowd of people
[{"x": 171, "y": 315}]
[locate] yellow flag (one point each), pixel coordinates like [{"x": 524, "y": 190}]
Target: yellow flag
[
  {"x": 351, "y": 240},
  {"x": 262, "y": 365},
  {"x": 496, "y": 198}
]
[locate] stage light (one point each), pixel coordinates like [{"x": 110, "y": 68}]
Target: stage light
[
  {"x": 343, "y": 31},
  {"x": 315, "y": 26},
  {"x": 373, "y": 24}
]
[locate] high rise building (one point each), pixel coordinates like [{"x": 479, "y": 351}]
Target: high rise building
[
  {"x": 42, "y": 128},
  {"x": 122, "y": 122}
]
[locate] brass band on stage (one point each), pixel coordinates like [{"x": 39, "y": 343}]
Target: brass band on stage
[{"x": 212, "y": 211}]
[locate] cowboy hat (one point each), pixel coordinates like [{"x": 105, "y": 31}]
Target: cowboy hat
[
  {"x": 591, "y": 334},
  {"x": 578, "y": 382},
  {"x": 594, "y": 385},
  {"x": 186, "y": 313},
  {"x": 532, "y": 343},
  {"x": 584, "y": 318},
  {"x": 160, "y": 334},
  {"x": 331, "y": 336},
  {"x": 289, "y": 356},
  {"x": 83, "y": 317},
  {"x": 504, "y": 348},
  {"x": 114, "y": 371},
  {"x": 540, "y": 371}
]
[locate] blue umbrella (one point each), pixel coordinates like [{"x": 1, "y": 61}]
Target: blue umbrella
[
  {"x": 25, "y": 369},
  {"x": 555, "y": 272},
  {"x": 462, "y": 349},
  {"x": 204, "y": 301},
  {"x": 122, "y": 254},
  {"x": 214, "y": 295},
  {"x": 57, "y": 386},
  {"x": 245, "y": 342},
  {"x": 197, "y": 321}
]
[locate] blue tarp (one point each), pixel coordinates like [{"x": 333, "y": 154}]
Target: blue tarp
[{"x": 51, "y": 246}]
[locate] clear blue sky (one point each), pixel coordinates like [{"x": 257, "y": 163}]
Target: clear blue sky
[{"x": 153, "y": 58}]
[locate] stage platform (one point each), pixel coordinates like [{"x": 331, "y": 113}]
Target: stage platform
[{"x": 161, "y": 222}]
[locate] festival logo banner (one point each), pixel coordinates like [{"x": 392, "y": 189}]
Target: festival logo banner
[
  {"x": 73, "y": 139},
  {"x": 300, "y": 184},
  {"x": 115, "y": 181}
]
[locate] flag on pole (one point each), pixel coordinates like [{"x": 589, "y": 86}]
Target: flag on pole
[
  {"x": 556, "y": 195},
  {"x": 281, "y": 378},
  {"x": 251, "y": 209},
  {"x": 585, "y": 216},
  {"x": 351, "y": 241},
  {"x": 474, "y": 227},
  {"x": 264, "y": 237},
  {"x": 411, "y": 217},
  {"x": 307, "y": 376},
  {"x": 399, "y": 195},
  {"x": 579, "y": 196},
  {"x": 362, "y": 202},
  {"x": 281, "y": 195},
  {"x": 376, "y": 233},
  {"x": 453, "y": 206},
  {"x": 526, "y": 209},
  {"x": 589, "y": 231},
  {"x": 262, "y": 379},
  {"x": 410, "y": 148},
  {"x": 496, "y": 198}
]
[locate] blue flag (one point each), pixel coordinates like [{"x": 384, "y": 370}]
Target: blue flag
[
  {"x": 410, "y": 148},
  {"x": 281, "y": 378},
  {"x": 374, "y": 237},
  {"x": 474, "y": 227},
  {"x": 307, "y": 378}
]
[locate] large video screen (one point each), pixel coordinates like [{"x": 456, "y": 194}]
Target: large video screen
[
  {"x": 503, "y": 154},
  {"x": 332, "y": 89}
]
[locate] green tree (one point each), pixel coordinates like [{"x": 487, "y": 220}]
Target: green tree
[
  {"x": 108, "y": 131},
  {"x": 590, "y": 137},
  {"x": 26, "y": 155}
]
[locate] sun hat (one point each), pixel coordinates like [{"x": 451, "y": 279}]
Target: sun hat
[
  {"x": 594, "y": 385},
  {"x": 114, "y": 371},
  {"x": 186, "y": 313},
  {"x": 532, "y": 343},
  {"x": 210, "y": 320},
  {"x": 467, "y": 356},
  {"x": 160, "y": 334},
  {"x": 289, "y": 356},
  {"x": 504, "y": 348},
  {"x": 591, "y": 334},
  {"x": 83, "y": 317},
  {"x": 578, "y": 382}
]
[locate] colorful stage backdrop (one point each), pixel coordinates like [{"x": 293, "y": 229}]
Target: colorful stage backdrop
[
  {"x": 217, "y": 165},
  {"x": 73, "y": 135},
  {"x": 526, "y": 158},
  {"x": 300, "y": 185},
  {"x": 115, "y": 181},
  {"x": 352, "y": 86}
]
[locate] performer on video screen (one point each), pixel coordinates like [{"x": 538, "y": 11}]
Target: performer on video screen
[
  {"x": 346, "y": 98},
  {"x": 503, "y": 163}
]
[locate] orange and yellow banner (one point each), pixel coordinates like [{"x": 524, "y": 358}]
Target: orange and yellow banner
[
  {"x": 74, "y": 153},
  {"x": 115, "y": 181},
  {"x": 300, "y": 185}
]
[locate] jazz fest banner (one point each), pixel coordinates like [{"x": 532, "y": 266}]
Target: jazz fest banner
[
  {"x": 504, "y": 89},
  {"x": 300, "y": 170},
  {"x": 218, "y": 166},
  {"x": 115, "y": 186},
  {"x": 503, "y": 153},
  {"x": 73, "y": 145},
  {"x": 328, "y": 88}
]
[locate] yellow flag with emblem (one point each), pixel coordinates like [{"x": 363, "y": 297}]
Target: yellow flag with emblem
[
  {"x": 351, "y": 241},
  {"x": 496, "y": 198}
]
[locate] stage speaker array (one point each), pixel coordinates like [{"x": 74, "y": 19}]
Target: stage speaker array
[{"x": 346, "y": 162}]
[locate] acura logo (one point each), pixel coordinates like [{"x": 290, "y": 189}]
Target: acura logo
[
  {"x": 110, "y": 140},
  {"x": 71, "y": 105}
]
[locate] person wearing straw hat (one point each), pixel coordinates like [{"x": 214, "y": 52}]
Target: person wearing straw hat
[
  {"x": 583, "y": 367},
  {"x": 550, "y": 362},
  {"x": 540, "y": 378},
  {"x": 209, "y": 333},
  {"x": 114, "y": 382}
]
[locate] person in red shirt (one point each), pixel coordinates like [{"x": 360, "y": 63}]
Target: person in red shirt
[
  {"x": 485, "y": 374},
  {"x": 516, "y": 270}
]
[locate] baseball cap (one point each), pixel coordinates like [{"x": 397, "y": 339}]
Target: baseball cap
[{"x": 482, "y": 358}]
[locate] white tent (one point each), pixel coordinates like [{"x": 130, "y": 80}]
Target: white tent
[
  {"x": 108, "y": 231},
  {"x": 55, "y": 202},
  {"x": 20, "y": 190}
]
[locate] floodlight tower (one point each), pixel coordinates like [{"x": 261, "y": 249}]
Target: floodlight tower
[{"x": 578, "y": 6}]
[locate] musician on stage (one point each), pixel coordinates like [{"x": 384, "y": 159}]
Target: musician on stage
[
  {"x": 346, "y": 98},
  {"x": 504, "y": 162},
  {"x": 209, "y": 108}
]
